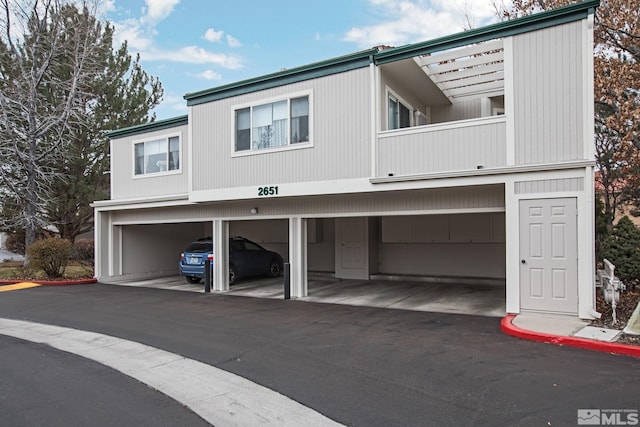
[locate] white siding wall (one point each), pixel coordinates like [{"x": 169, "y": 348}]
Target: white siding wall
[
  {"x": 462, "y": 198},
  {"x": 459, "y": 111},
  {"x": 123, "y": 183},
  {"x": 102, "y": 254},
  {"x": 549, "y": 185},
  {"x": 340, "y": 133},
  {"x": 439, "y": 148},
  {"x": 548, "y": 96}
]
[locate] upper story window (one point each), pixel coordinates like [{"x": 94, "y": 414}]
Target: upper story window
[
  {"x": 157, "y": 156},
  {"x": 276, "y": 124},
  {"x": 399, "y": 113}
]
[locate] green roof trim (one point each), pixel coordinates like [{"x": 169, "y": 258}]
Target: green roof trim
[
  {"x": 513, "y": 27},
  {"x": 363, "y": 58},
  {"x": 306, "y": 72},
  {"x": 149, "y": 127}
]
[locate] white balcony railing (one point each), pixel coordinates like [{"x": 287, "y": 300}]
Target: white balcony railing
[{"x": 443, "y": 147}]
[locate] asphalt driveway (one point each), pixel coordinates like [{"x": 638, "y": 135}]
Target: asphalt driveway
[{"x": 360, "y": 366}]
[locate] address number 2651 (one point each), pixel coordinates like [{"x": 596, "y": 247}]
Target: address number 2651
[{"x": 268, "y": 191}]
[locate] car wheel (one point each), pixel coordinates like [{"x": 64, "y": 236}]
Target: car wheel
[
  {"x": 193, "y": 279},
  {"x": 232, "y": 274},
  {"x": 274, "y": 268}
]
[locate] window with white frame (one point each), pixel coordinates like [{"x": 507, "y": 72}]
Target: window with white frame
[
  {"x": 271, "y": 125},
  {"x": 157, "y": 156},
  {"x": 399, "y": 113}
]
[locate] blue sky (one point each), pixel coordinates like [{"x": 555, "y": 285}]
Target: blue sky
[{"x": 193, "y": 45}]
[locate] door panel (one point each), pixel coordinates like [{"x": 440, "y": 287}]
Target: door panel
[
  {"x": 548, "y": 253},
  {"x": 352, "y": 258}
]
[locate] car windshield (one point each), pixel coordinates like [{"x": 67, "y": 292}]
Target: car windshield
[{"x": 200, "y": 247}]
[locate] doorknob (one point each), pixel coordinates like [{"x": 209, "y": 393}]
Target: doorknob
[{"x": 523, "y": 261}]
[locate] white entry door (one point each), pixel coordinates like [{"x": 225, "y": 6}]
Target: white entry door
[
  {"x": 352, "y": 261},
  {"x": 549, "y": 255}
]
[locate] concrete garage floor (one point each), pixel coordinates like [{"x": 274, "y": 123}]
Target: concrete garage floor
[{"x": 450, "y": 297}]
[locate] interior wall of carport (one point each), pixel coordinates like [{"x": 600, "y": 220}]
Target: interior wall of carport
[
  {"x": 420, "y": 201},
  {"x": 143, "y": 250},
  {"x": 461, "y": 245},
  {"x": 456, "y": 245},
  {"x": 154, "y": 249},
  {"x": 273, "y": 234}
]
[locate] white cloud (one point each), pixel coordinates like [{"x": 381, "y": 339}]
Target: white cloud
[
  {"x": 104, "y": 7},
  {"x": 209, "y": 75},
  {"x": 176, "y": 103},
  {"x": 157, "y": 10},
  {"x": 133, "y": 33},
  {"x": 411, "y": 21},
  {"x": 213, "y": 35},
  {"x": 233, "y": 42},
  {"x": 194, "y": 55},
  {"x": 140, "y": 33},
  {"x": 180, "y": 107}
]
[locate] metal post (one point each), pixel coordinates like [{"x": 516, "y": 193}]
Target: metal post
[
  {"x": 207, "y": 276},
  {"x": 287, "y": 280}
]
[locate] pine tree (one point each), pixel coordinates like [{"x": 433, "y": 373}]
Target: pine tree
[
  {"x": 61, "y": 87},
  {"x": 121, "y": 94},
  {"x": 622, "y": 248}
]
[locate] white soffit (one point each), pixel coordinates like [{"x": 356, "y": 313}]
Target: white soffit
[{"x": 470, "y": 72}]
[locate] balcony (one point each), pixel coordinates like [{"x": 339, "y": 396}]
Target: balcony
[
  {"x": 444, "y": 147},
  {"x": 444, "y": 112}
]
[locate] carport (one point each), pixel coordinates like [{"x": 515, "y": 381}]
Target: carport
[
  {"x": 157, "y": 246},
  {"x": 417, "y": 248}
]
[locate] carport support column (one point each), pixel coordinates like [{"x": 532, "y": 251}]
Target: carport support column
[
  {"x": 220, "y": 256},
  {"x": 298, "y": 256}
]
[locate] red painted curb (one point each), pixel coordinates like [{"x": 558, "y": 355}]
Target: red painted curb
[
  {"x": 507, "y": 326},
  {"x": 51, "y": 282}
]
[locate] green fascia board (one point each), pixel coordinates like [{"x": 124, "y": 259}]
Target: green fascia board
[
  {"x": 513, "y": 27},
  {"x": 149, "y": 127},
  {"x": 307, "y": 72},
  {"x": 362, "y": 59}
]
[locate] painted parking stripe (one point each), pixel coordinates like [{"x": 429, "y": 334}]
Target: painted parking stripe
[
  {"x": 18, "y": 286},
  {"x": 220, "y": 397}
]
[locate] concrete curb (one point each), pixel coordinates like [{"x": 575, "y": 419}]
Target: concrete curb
[
  {"x": 219, "y": 397},
  {"x": 51, "y": 282},
  {"x": 507, "y": 326}
]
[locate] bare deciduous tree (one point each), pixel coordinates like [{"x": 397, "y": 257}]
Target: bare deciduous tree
[
  {"x": 617, "y": 93},
  {"x": 56, "y": 67},
  {"x": 33, "y": 128}
]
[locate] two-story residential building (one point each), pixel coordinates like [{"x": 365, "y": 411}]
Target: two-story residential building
[{"x": 467, "y": 156}]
